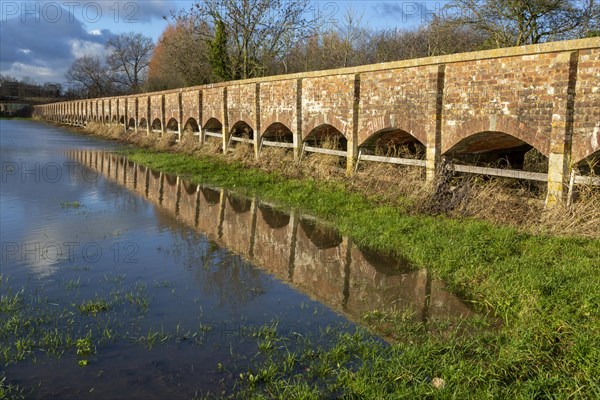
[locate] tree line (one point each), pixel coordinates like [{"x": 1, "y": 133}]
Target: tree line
[{"x": 238, "y": 39}]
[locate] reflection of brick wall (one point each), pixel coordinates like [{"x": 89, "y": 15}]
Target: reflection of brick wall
[
  {"x": 209, "y": 213},
  {"x": 319, "y": 272},
  {"x": 237, "y": 224},
  {"x": 273, "y": 241},
  {"x": 188, "y": 197}
]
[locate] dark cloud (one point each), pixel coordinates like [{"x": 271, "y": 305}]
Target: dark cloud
[{"x": 42, "y": 47}]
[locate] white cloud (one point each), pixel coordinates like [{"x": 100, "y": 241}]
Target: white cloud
[
  {"x": 20, "y": 71},
  {"x": 25, "y": 51},
  {"x": 95, "y": 32},
  {"x": 80, "y": 48}
]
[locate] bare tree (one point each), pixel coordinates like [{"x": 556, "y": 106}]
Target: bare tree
[
  {"x": 519, "y": 22},
  {"x": 92, "y": 75},
  {"x": 128, "y": 56},
  {"x": 258, "y": 31}
]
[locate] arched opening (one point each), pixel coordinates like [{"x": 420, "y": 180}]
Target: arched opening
[
  {"x": 242, "y": 130},
  {"x": 191, "y": 126},
  {"x": 395, "y": 143},
  {"x": 321, "y": 236},
  {"x": 327, "y": 137},
  {"x": 143, "y": 123},
  {"x": 279, "y": 135},
  {"x": 498, "y": 150},
  {"x": 172, "y": 125},
  {"x": 131, "y": 124},
  {"x": 107, "y": 119},
  {"x": 213, "y": 130},
  {"x": 590, "y": 165},
  {"x": 114, "y": 119},
  {"x": 239, "y": 204},
  {"x": 156, "y": 125},
  {"x": 122, "y": 120},
  {"x": 276, "y": 219}
]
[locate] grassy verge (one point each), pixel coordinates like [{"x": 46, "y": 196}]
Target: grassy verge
[{"x": 545, "y": 290}]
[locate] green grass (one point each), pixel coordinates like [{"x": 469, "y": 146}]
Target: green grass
[{"x": 544, "y": 290}]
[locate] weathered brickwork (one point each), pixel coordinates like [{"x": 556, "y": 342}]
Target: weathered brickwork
[
  {"x": 131, "y": 110},
  {"x": 397, "y": 99},
  {"x": 586, "y": 112},
  {"x": 143, "y": 110},
  {"x": 278, "y": 104},
  {"x": 172, "y": 107},
  {"x": 212, "y": 105},
  {"x": 546, "y": 96},
  {"x": 241, "y": 105},
  {"x": 190, "y": 102},
  {"x": 328, "y": 100}
]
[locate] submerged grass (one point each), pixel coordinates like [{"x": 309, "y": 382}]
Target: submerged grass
[{"x": 543, "y": 289}]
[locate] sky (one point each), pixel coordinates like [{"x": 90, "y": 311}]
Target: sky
[{"x": 39, "y": 40}]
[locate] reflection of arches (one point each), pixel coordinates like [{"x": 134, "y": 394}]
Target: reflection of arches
[
  {"x": 326, "y": 136},
  {"x": 392, "y": 142},
  {"x": 490, "y": 147},
  {"x": 171, "y": 179},
  {"x": 155, "y": 174},
  {"x": 131, "y": 123},
  {"x": 239, "y": 204},
  {"x": 210, "y": 195},
  {"x": 143, "y": 123},
  {"x": 172, "y": 125},
  {"x": 385, "y": 264},
  {"x": 114, "y": 119},
  {"x": 242, "y": 129},
  {"x": 319, "y": 235},
  {"x": 107, "y": 119},
  {"x": 278, "y": 132},
  {"x": 122, "y": 120},
  {"x": 276, "y": 219},
  {"x": 190, "y": 188},
  {"x": 157, "y": 125},
  {"x": 191, "y": 125}
]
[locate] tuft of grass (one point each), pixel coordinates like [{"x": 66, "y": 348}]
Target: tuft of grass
[{"x": 94, "y": 307}]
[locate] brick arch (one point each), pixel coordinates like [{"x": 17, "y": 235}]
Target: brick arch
[
  {"x": 277, "y": 130},
  {"x": 374, "y": 125},
  {"x": 192, "y": 123},
  {"x": 241, "y": 124},
  {"x": 496, "y": 124},
  {"x": 284, "y": 118},
  {"x": 322, "y": 120},
  {"x": 154, "y": 123},
  {"x": 143, "y": 123},
  {"x": 207, "y": 118},
  {"x": 172, "y": 124},
  {"x": 594, "y": 158},
  {"x": 212, "y": 123},
  {"x": 326, "y": 130},
  {"x": 131, "y": 123},
  {"x": 398, "y": 136}
]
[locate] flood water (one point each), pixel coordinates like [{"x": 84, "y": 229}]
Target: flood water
[{"x": 188, "y": 270}]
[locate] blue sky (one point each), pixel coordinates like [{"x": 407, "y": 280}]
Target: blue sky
[{"x": 40, "y": 39}]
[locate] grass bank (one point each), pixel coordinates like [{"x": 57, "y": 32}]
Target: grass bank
[{"x": 544, "y": 289}]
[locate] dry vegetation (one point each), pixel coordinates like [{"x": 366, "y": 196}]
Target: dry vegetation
[{"x": 501, "y": 201}]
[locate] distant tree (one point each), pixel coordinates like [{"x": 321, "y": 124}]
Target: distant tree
[
  {"x": 89, "y": 72},
  {"x": 219, "y": 54},
  {"x": 128, "y": 56},
  {"x": 181, "y": 58},
  {"x": 520, "y": 22}
]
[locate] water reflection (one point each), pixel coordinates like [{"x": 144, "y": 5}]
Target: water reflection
[{"x": 296, "y": 249}]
